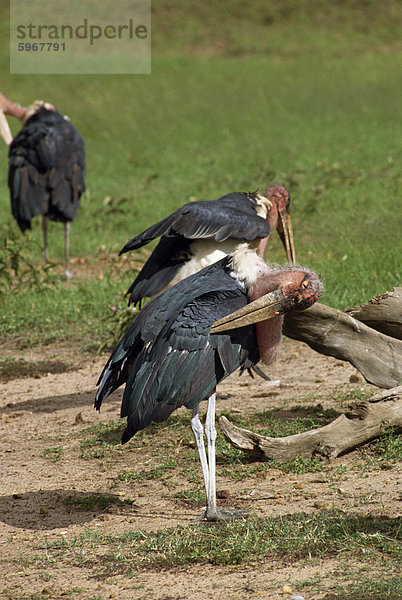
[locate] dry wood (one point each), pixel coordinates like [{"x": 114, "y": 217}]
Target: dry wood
[
  {"x": 378, "y": 357},
  {"x": 362, "y": 422},
  {"x": 383, "y": 313}
]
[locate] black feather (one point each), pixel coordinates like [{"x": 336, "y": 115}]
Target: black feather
[
  {"x": 46, "y": 169},
  {"x": 232, "y": 216},
  {"x": 161, "y": 267},
  {"x": 168, "y": 358}
]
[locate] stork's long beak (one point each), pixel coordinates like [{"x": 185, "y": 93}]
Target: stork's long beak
[
  {"x": 266, "y": 307},
  {"x": 291, "y": 296},
  {"x": 263, "y": 308},
  {"x": 5, "y": 128},
  {"x": 286, "y": 234}
]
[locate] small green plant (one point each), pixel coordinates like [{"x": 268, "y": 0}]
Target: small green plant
[
  {"x": 118, "y": 320},
  {"x": 17, "y": 271},
  {"x": 193, "y": 496},
  {"x": 100, "y": 440},
  {"x": 384, "y": 451},
  {"x": 300, "y": 464},
  {"x": 53, "y": 454}
]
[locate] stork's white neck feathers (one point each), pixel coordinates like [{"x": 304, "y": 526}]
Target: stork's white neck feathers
[
  {"x": 35, "y": 107},
  {"x": 204, "y": 252},
  {"x": 246, "y": 265},
  {"x": 263, "y": 205}
]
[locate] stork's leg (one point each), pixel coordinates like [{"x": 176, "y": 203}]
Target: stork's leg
[
  {"x": 44, "y": 234},
  {"x": 212, "y": 512},
  {"x": 67, "y": 250},
  {"x": 198, "y": 432},
  {"x": 210, "y": 434}
]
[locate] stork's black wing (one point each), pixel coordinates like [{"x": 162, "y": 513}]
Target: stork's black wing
[
  {"x": 232, "y": 216},
  {"x": 168, "y": 358},
  {"x": 165, "y": 261},
  {"x": 46, "y": 169}
]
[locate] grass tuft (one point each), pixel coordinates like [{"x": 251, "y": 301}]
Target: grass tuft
[
  {"x": 293, "y": 537},
  {"x": 368, "y": 589},
  {"x": 53, "y": 454}
]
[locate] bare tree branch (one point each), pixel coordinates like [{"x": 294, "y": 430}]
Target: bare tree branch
[
  {"x": 362, "y": 422},
  {"x": 383, "y": 313},
  {"x": 329, "y": 331}
]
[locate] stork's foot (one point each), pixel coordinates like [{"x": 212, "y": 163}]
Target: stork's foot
[
  {"x": 256, "y": 369},
  {"x": 221, "y": 514}
]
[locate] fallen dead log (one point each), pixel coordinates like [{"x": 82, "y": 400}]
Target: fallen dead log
[
  {"x": 329, "y": 331},
  {"x": 383, "y": 313},
  {"x": 362, "y": 422}
]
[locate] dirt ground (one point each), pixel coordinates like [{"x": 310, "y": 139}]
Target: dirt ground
[{"x": 53, "y": 401}]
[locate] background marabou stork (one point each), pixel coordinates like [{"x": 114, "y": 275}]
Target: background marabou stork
[
  {"x": 201, "y": 233},
  {"x": 170, "y": 357},
  {"x": 46, "y": 168}
]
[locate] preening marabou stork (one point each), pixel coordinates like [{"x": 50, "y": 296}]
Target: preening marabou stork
[
  {"x": 192, "y": 336},
  {"x": 201, "y": 233},
  {"x": 46, "y": 168}
]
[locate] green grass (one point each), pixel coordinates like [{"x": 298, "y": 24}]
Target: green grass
[
  {"x": 80, "y": 313},
  {"x": 385, "y": 451},
  {"x": 369, "y": 589},
  {"x": 302, "y": 93},
  {"x": 102, "y": 442},
  {"x": 53, "y": 454},
  {"x": 293, "y": 537},
  {"x": 281, "y": 29},
  {"x": 98, "y": 441},
  {"x": 365, "y": 552}
]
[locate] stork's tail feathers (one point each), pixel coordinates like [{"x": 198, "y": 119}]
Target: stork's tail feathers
[{"x": 107, "y": 383}]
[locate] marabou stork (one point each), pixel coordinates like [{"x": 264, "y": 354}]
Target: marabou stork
[
  {"x": 46, "y": 168},
  {"x": 201, "y": 233},
  {"x": 192, "y": 336}
]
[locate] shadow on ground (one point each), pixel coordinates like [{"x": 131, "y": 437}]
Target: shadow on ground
[{"x": 54, "y": 509}]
